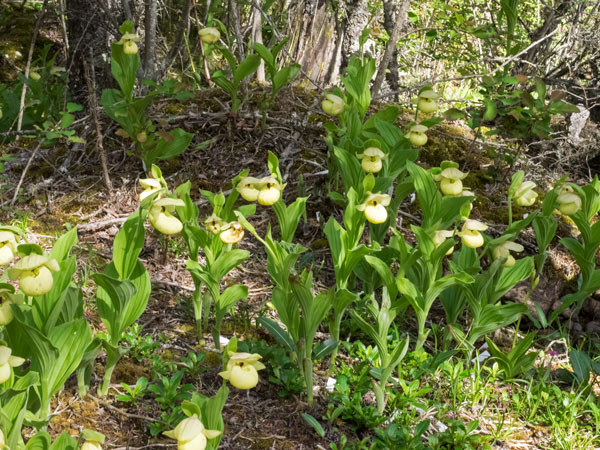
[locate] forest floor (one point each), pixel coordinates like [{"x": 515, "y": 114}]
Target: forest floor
[{"x": 63, "y": 187}]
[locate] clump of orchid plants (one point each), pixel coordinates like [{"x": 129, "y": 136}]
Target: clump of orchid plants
[{"x": 217, "y": 237}]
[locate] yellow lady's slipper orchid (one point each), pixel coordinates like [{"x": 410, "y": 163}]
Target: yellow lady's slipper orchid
[
  {"x": 161, "y": 217},
  {"x": 209, "y": 35},
  {"x": 214, "y": 224},
  {"x": 232, "y": 233},
  {"x": 191, "y": 434},
  {"x": 247, "y": 188},
  {"x": 91, "y": 445},
  {"x": 7, "y": 362},
  {"x": 416, "y": 135},
  {"x": 8, "y": 247},
  {"x": 269, "y": 190},
  {"x": 440, "y": 237},
  {"x": 371, "y": 159},
  {"x": 374, "y": 207},
  {"x": 451, "y": 183},
  {"x": 427, "y": 101},
  {"x": 33, "y": 273},
  {"x": 525, "y": 195},
  {"x": 503, "y": 251},
  {"x": 470, "y": 233},
  {"x": 128, "y": 40},
  {"x": 150, "y": 185},
  {"x": 568, "y": 201},
  {"x": 34, "y": 75},
  {"x": 333, "y": 105},
  {"x": 242, "y": 370}
]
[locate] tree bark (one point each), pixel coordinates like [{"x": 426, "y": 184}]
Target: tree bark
[
  {"x": 391, "y": 51},
  {"x": 257, "y": 37},
  {"x": 357, "y": 17},
  {"x": 315, "y": 42},
  {"x": 150, "y": 39}
]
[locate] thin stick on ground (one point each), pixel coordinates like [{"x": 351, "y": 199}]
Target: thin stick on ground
[
  {"x": 36, "y": 31},
  {"x": 89, "y": 79},
  {"x": 31, "y": 158}
]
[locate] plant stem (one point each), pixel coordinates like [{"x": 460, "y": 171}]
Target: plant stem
[
  {"x": 308, "y": 378},
  {"x": 334, "y": 330},
  {"x": 197, "y": 300}
]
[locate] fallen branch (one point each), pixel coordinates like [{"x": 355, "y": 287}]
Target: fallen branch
[{"x": 89, "y": 80}]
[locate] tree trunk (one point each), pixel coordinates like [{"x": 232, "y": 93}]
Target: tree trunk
[
  {"x": 357, "y": 18},
  {"x": 390, "y": 55},
  {"x": 315, "y": 40}
]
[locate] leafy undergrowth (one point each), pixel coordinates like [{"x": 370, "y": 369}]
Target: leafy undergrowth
[{"x": 466, "y": 399}]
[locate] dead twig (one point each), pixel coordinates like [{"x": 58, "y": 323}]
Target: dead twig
[
  {"x": 36, "y": 31},
  {"x": 31, "y": 158},
  {"x": 89, "y": 80}
]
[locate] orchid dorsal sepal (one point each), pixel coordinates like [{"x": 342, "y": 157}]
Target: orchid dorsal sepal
[
  {"x": 191, "y": 434},
  {"x": 34, "y": 274},
  {"x": 242, "y": 370}
]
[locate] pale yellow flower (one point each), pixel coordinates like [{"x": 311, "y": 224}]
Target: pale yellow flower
[
  {"x": 427, "y": 101},
  {"x": 371, "y": 159},
  {"x": 150, "y": 185},
  {"x": 525, "y": 195},
  {"x": 7, "y": 298},
  {"x": 333, "y": 105},
  {"x": 440, "y": 237},
  {"x": 232, "y": 233},
  {"x": 214, "y": 224},
  {"x": 161, "y": 217},
  {"x": 33, "y": 273},
  {"x": 470, "y": 233},
  {"x": 128, "y": 40},
  {"x": 417, "y": 136},
  {"x": 374, "y": 207},
  {"x": 451, "y": 183},
  {"x": 242, "y": 370},
  {"x": 7, "y": 362},
  {"x": 8, "y": 247},
  {"x": 247, "y": 188},
  {"x": 503, "y": 251},
  {"x": 91, "y": 445},
  {"x": 568, "y": 201},
  {"x": 209, "y": 35},
  {"x": 191, "y": 434},
  {"x": 269, "y": 190}
]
